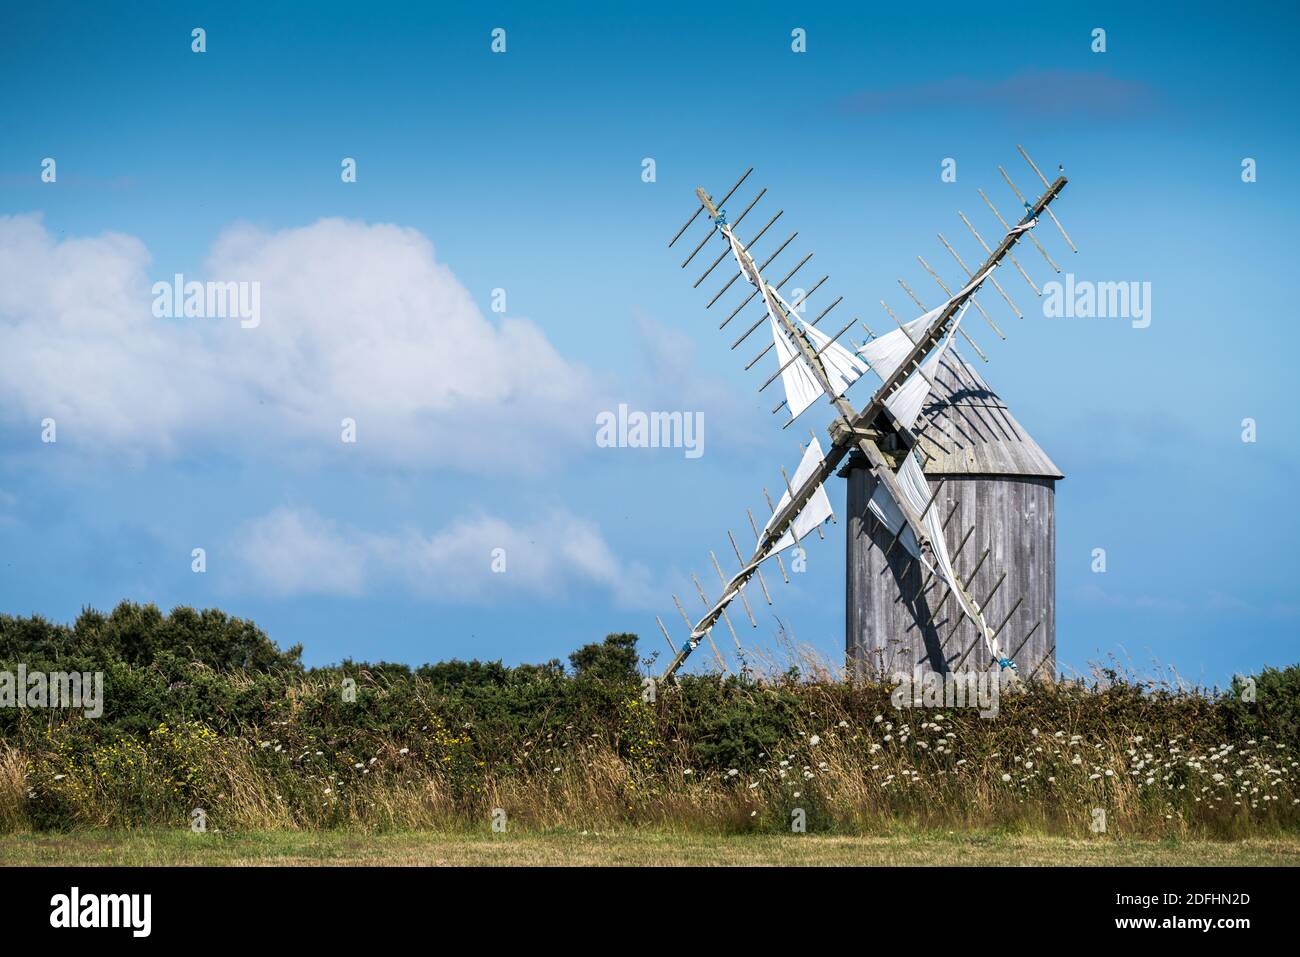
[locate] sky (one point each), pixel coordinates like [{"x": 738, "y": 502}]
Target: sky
[{"x": 525, "y": 171}]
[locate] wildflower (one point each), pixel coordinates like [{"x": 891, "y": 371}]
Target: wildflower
[
  {"x": 1006, "y": 777},
  {"x": 815, "y": 740}
]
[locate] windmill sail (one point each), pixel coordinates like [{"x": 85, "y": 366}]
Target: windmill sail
[
  {"x": 886, "y": 510},
  {"x": 842, "y": 367},
  {"x": 887, "y": 353},
  {"x": 817, "y": 511},
  {"x": 906, "y": 401},
  {"x": 801, "y": 387}
]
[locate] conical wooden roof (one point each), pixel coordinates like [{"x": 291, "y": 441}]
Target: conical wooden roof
[{"x": 966, "y": 429}]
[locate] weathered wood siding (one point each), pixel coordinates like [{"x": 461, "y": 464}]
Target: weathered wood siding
[{"x": 892, "y": 625}]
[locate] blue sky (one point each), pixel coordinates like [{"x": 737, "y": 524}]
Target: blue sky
[{"x": 522, "y": 171}]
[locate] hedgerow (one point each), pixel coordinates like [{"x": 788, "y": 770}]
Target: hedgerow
[{"x": 203, "y": 713}]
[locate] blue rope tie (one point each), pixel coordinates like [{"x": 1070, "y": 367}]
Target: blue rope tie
[
  {"x": 721, "y": 218},
  {"x": 1005, "y": 663}
]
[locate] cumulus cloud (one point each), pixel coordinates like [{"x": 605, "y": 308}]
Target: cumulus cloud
[
  {"x": 357, "y": 321},
  {"x": 77, "y": 343},
  {"x": 296, "y": 551}
]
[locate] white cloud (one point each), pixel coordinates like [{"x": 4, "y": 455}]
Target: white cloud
[
  {"x": 291, "y": 552},
  {"x": 357, "y": 321},
  {"x": 74, "y": 340},
  {"x": 296, "y": 551},
  {"x": 676, "y": 380}
]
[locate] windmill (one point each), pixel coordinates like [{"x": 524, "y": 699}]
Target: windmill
[{"x": 882, "y": 441}]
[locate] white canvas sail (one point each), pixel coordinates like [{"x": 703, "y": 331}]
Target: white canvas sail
[
  {"x": 886, "y": 353},
  {"x": 842, "y": 367},
  {"x": 817, "y": 510},
  {"x": 801, "y": 387},
  {"x": 886, "y": 510},
  {"x": 906, "y": 401}
]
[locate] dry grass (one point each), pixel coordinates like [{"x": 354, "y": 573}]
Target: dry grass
[
  {"x": 13, "y": 789},
  {"x": 905, "y": 769}
]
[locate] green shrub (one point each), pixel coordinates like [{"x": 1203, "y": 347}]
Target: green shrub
[{"x": 203, "y": 710}]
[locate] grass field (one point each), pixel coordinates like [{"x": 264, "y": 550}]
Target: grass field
[{"x": 646, "y": 848}]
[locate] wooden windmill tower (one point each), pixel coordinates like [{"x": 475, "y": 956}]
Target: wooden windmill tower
[{"x": 951, "y": 535}]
